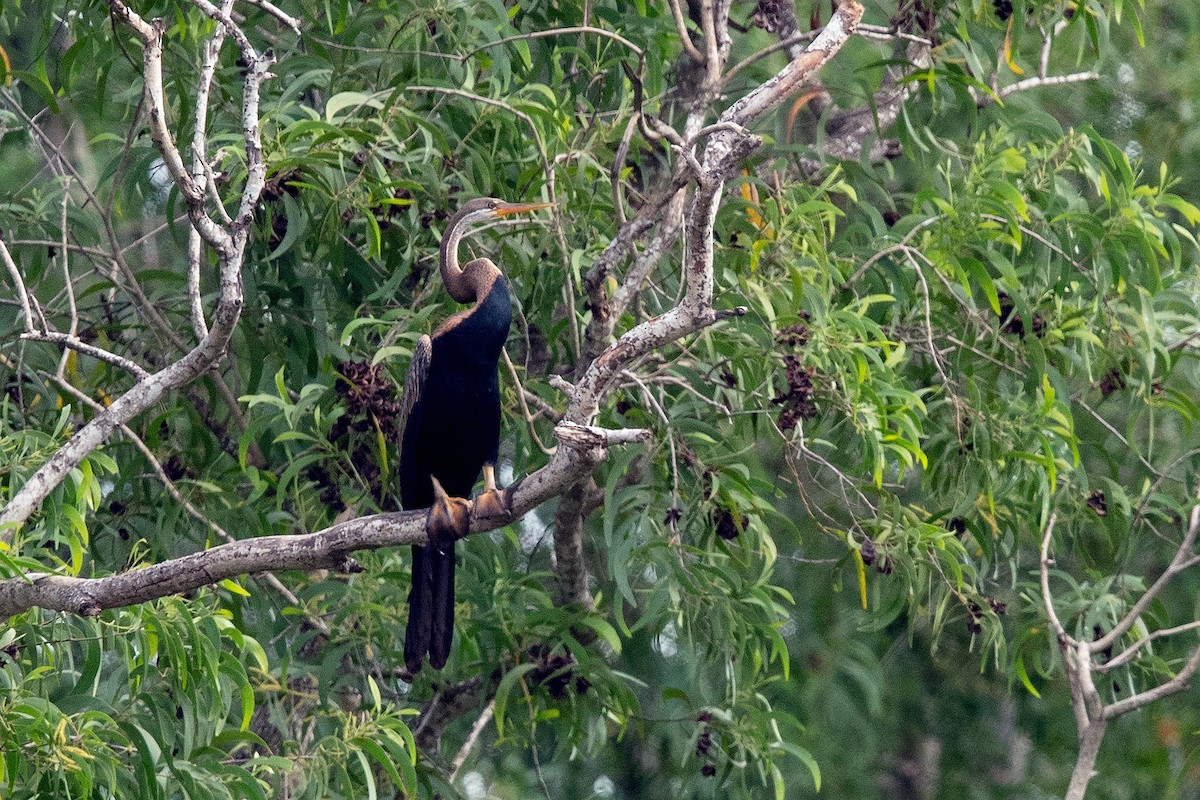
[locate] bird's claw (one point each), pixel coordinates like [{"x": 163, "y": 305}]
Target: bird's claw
[
  {"x": 449, "y": 518},
  {"x": 493, "y": 502}
]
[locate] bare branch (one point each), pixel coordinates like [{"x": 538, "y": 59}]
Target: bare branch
[
  {"x": 277, "y": 13},
  {"x": 685, "y": 38},
  {"x": 18, "y": 285},
  {"x": 1173, "y": 686},
  {"x": 69, "y": 341},
  {"x": 614, "y": 173},
  {"x": 1051, "y": 80},
  {"x": 1128, "y": 653},
  {"x": 1047, "y": 597},
  {"x": 467, "y": 746},
  {"x": 570, "y": 565},
  {"x": 798, "y": 71},
  {"x": 151, "y": 34}
]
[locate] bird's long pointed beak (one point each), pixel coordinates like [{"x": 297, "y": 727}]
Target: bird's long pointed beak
[{"x": 520, "y": 208}]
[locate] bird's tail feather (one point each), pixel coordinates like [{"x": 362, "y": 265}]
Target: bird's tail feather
[
  {"x": 442, "y": 613},
  {"x": 420, "y": 609}
]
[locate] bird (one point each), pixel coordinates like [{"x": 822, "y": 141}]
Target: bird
[{"x": 450, "y": 427}]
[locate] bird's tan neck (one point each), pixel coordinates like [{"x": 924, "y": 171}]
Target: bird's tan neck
[
  {"x": 466, "y": 284},
  {"x": 473, "y": 282}
]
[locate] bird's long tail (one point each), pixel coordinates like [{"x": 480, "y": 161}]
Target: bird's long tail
[
  {"x": 420, "y": 610},
  {"x": 442, "y": 633},
  {"x": 430, "y": 608}
]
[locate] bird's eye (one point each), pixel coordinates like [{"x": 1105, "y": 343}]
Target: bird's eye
[{"x": 492, "y": 205}]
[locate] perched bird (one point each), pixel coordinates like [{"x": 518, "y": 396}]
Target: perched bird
[{"x": 450, "y": 428}]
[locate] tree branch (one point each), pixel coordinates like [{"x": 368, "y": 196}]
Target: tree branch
[
  {"x": 329, "y": 548},
  {"x": 229, "y": 245},
  {"x": 1183, "y": 559}
]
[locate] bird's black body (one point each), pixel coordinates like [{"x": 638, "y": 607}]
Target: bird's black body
[
  {"x": 454, "y": 428},
  {"x": 451, "y": 429}
]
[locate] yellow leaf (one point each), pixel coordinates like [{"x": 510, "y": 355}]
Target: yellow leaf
[
  {"x": 230, "y": 586},
  {"x": 862, "y": 577},
  {"x": 1008, "y": 57}
]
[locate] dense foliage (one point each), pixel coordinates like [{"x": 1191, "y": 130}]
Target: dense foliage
[{"x": 824, "y": 568}]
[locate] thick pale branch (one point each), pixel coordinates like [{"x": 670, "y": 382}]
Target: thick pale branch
[
  {"x": 1049, "y": 80},
  {"x": 570, "y": 565},
  {"x": 725, "y": 148},
  {"x": 326, "y": 549},
  {"x": 663, "y": 241},
  {"x": 800, "y": 70}
]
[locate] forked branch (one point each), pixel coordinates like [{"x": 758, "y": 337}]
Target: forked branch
[{"x": 228, "y": 242}]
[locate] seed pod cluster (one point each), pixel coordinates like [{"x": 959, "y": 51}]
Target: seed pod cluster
[
  {"x": 1011, "y": 322},
  {"x": 796, "y": 399},
  {"x": 727, "y": 525},
  {"x": 557, "y": 672},
  {"x": 770, "y": 15}
]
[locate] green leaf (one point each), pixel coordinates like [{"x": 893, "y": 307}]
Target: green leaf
[{"x": 507, "y": 684}]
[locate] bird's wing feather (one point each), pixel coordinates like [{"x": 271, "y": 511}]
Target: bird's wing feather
[
  {"x": 410, "y": 417},
  {"x": 414, "y": 381},
  {"x": 421, "y": 597}
]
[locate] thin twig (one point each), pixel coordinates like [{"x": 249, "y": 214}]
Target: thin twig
[
  {"x": 616, "y": 37},
  {"x": 933, "y": 352},
  {"x": 1129, "y": 652},
  {"x": 1183, "y": 559},
  {"x": 685, "y": 38},
  {"x": 70, "y": 342},
  {"x": 614, "y": 174},
  {"x": 68, "y": 284},
  {"x": 1047, "y": 598},
  {"x": 1120, "y": 437},
  {"x": 512, "y": 372},
  {"x": 18, "y": 286},
  {"x": 670, "y": 429},
  {"x": 460, "y": 758}
]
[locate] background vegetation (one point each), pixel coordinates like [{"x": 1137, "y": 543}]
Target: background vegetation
[{"x": 968, "y": 269}]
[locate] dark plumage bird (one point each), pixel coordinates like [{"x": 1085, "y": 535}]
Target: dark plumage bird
[{"x": 450, "y": 428}]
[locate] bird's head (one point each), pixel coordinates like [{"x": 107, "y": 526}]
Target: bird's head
[
  {"x": 473, "y": 213},
  {"x": 483, "y": 210}
]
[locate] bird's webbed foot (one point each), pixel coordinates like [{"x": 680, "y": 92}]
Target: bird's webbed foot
[
  {"x": 449, "y": 518},
  {"x": 494, "y": 502}
]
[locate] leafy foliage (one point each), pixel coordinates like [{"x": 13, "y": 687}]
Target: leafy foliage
[{"x": 939, "y": 350}]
